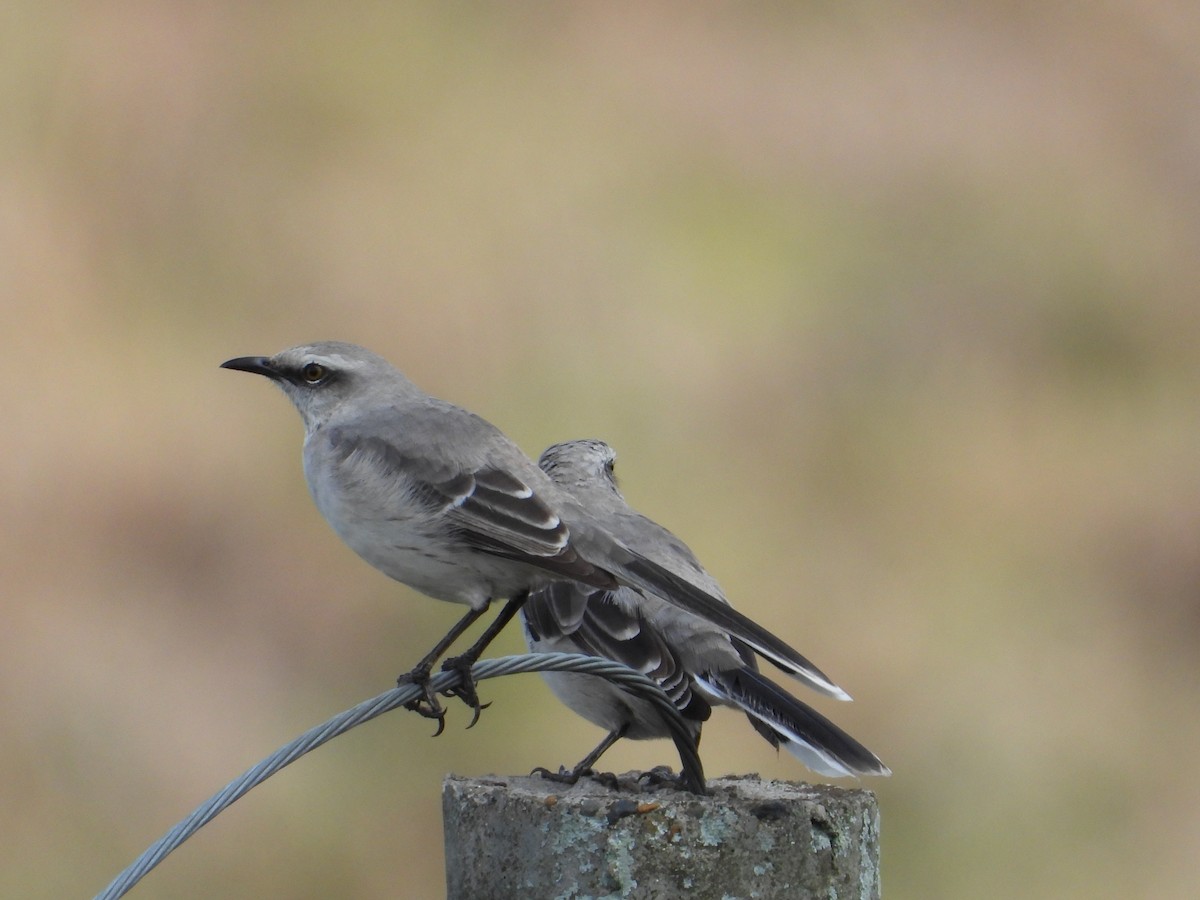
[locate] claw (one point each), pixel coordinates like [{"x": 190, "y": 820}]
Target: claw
[
  {"x": 608, "y": 779},
  {"x": 663, "y": 775},
  {"x": 478, "y": 708},
  {"x": 562, "y": 776},
  {"x": 428, "y": 705},
  {"x": 572, "y": 776},
  {"x": 439, "y": 713},
  {"x": 466, "y": 690}
]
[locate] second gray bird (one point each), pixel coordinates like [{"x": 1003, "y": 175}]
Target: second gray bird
[
  {"x": 695, "y": 663},
  {"x": 438, "y": 498}
]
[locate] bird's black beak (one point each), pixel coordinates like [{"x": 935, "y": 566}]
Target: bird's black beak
[{"x": 259, "y": 365}]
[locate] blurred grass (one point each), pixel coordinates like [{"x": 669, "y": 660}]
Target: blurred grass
[{"x": 891, "y": 313}]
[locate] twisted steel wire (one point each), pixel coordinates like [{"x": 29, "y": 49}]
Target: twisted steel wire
[{"x": 692, "y": 771}]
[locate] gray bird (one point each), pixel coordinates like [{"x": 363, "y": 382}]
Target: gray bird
[
  {"x": 438, "y": 498},
  {"x": 696, "y": 663}
]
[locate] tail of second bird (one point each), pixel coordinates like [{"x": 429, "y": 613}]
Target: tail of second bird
[{"x": 793, "y": 725}]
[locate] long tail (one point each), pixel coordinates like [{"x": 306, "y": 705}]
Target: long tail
[
  {"x": 794, "y": 725},
  {"x": 645, "y": 574}
]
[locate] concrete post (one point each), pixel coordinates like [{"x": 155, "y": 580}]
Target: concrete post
[{"x": 526, "y": 837}]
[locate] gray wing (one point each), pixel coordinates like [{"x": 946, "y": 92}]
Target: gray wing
[
  {"x": 486, "y": 498},
  {"x": 653, "y": 578},
  {"x": 596, "y": 623}
]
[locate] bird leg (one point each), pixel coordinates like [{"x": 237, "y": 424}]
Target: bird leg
[
  {"x": 464, "y": 661},
  {"x": 428, "y": 705},
  {"x": 562, "y": 776}
]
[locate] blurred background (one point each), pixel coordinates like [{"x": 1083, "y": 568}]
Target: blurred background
[{"x": 890, "y": 313}]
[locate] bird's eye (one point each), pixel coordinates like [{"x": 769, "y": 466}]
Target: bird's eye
[{"x": 314, "y": 373}]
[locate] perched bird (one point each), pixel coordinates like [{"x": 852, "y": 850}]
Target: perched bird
[
  {"x": 437, "y": 498},
  {"x": 695, "y": 662}
]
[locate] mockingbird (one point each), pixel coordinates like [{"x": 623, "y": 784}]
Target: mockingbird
[
  {"x": 695, "y": 663},
  {"x": 437, "y": 498}
]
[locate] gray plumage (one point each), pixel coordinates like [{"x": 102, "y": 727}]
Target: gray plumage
[
  {"x": 696, "y": 663},
  {"x": 438, "y": 498},
  {"x": 426, "y": 492}
]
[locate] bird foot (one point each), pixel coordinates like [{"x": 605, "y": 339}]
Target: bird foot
[
  {"x": 466, "y": 689},
  {"x": 663, "y": 775},
  {"x": 427, "y": 705},
  {"x": 562, "y": 776},
  {"x": 572, "y": 776}
]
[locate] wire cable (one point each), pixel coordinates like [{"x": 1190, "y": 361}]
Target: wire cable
[{"x": 691, "y": 773}]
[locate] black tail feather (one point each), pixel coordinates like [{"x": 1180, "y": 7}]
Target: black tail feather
[
  {"x": 648, "y": 575},
  {"x": 794, "y": 725}
]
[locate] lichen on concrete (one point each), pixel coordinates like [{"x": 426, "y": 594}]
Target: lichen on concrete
[{"x": 523, "y": 836}]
